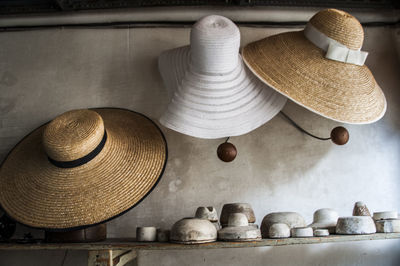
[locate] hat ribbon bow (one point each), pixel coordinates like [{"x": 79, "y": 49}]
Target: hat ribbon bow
[{"x": 334, "y": 50}]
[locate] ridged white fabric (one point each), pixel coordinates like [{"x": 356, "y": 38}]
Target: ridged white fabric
[{"x": 213, "y": 95}]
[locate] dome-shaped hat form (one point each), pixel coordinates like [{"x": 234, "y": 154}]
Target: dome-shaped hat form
[
  {"x": 213, "y": 94},
  {"x": 321, "y": 68},
  {"x": 83, "y": 168}
]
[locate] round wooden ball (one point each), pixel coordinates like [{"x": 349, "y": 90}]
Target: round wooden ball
[
  {"x": 339, "y": 135},
  {"x": 227, "y": 152}
]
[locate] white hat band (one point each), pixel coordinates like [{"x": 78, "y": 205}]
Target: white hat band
[{"x": 334, "y": 50}]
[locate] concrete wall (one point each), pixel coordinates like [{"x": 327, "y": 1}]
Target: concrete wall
[{"x": 46, "y": 72}]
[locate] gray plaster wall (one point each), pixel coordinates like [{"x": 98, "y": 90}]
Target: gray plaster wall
[{"x": 44, "y": 73}]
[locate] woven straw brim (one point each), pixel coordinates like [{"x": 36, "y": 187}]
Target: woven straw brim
[
  {"x": 295, "y": 67},
  {"x": 214, "y": 105},
  {"x": 38, "y": 194}
]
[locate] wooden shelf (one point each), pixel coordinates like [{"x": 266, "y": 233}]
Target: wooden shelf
[
  {"x": 118, "y": 252},
  {"x": 130, "y": 244}
]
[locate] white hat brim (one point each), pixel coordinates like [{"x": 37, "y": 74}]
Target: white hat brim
[{"x": 210, "y": 106}]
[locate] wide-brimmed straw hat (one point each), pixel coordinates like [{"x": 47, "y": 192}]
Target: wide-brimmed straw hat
[
  {"x": 83, "y": 168},
  {"x": 213, "y": 94},
  {"x": 321, "y": 68}
]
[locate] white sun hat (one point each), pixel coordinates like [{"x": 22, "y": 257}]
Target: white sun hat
[{"x": 213, "y": 94}]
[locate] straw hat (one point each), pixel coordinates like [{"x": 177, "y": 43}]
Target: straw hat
[
  {"x": 83, "y": 168},
  {"x": 321, "y": 68},
  {"x": 213, "y": 94}
]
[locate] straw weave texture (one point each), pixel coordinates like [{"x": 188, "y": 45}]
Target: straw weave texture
[
  {"x": 73, "y": 135},
  {"x": 340, "y": 26},
  {"x": 39, "y": 194},
  {"x": 295, "y": 67}
]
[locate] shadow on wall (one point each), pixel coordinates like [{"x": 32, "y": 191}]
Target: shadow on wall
[
  {"x": 7, "y": 105},
  {"x": 131, "y": 78},
  {"x": 384, "y": 62}
]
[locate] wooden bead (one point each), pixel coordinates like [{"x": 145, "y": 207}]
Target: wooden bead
[
  {"x": 339, "y": 135},
  {"x": 227, "y": 152}
]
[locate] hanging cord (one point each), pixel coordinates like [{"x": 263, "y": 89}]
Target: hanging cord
[
  {"x": 300, "y": 128},
  {"x": 227, "y": 139}
]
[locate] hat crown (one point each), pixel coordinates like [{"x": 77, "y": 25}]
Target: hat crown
[
  {"x": 325, "y": 214},
  {"x": 73, "y": 135},
  {"x": 238, "y": 219},
  {"x": 214, "y": 45},
  {"x": 340, "y": 26}
]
